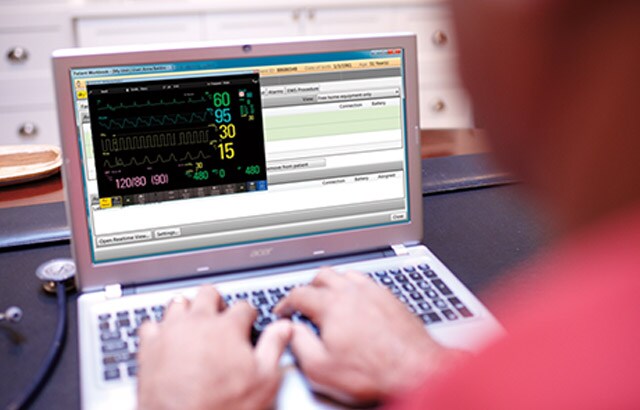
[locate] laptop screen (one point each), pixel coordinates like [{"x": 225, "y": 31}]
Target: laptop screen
[{"x": 182, "y": 156}]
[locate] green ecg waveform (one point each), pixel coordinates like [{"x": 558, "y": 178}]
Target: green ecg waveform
[{"x": 160, "y": 103}]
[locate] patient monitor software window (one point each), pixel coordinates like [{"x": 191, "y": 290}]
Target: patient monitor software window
[{"x": 193, "y": 155}]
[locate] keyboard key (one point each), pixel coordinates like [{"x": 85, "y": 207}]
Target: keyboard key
[
  {"x": 402, "y": 298},
  {"x": 449, "y": 314},
  {"x": 132, "y": 370},
  {"x": 114, "y": 346},
  {"x": 123, "y": 323},
  {"x": 424, "y": 267},
  {"x": 416, "y": 296},
  {"x": 115, "y": 358},
  {"x": 423, "y": 285},
  {"x": 394, "y": 271},
  {"x": 460, "y": 307},
  {"x": 158, "y": 308},
  {"x": 424, "y": 306},
  {"x": 242, "y": 296},
  {"x": 400, "y": 278},
  {"x": 104, "y": 316},
  {"x": 395, "y": 289},
  {"x": 260, "y": 301},
  {"x": 430, "y": 318},
  {"x": 108, "y": 336},
  {"x": 258, "y": 293},
  {"x": 140, "y": 311},
  {"x": 112, "y": 374},
  {"x": 442, "y": 287},
  {"x": 276, "y": 291},
  {"x": 415, "y": 276},
  {"x": 104, "y": 326},
  {"x": 123, "y": 314},
  {"x": 386, "y": 281},
  {"x": 430, "y": 274},
  {"x": 381, "y": 274},
  {"x": 408, "y": 287},
  {"x": 409, "y": 269},
  {"x": 412, "y": 309},
  {"x": 432, "y": 294},
  {"x": 440, "y": 304}
]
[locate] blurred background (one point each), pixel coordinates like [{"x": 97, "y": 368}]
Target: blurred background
[{"x": 31, "y": 29}]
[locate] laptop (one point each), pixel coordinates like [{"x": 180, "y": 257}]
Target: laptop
[{"x": 248, "y": 166}]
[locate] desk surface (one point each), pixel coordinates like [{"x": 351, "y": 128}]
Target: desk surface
[{"x": 478, "y": 233}]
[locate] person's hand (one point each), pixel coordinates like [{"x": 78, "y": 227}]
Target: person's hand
[
  {"x": 200, "y": 357},
  {"x": 370, "y": 345}
]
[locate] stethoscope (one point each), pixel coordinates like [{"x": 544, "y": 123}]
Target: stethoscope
[{"x": 57, "y": 275}]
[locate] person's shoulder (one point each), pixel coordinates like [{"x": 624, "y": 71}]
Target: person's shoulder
[{"x": 573, "y": 336}]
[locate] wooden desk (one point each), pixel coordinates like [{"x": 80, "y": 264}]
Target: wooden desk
[{"x": 435, "y": 143}]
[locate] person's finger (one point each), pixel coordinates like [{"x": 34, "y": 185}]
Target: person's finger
[
  {"x": 272, "y": 342},
  {"x": 356, "y": 277},
  {"x": 177, "y": 308},
  {"x": 208, "y": 301},
  {"x": 327, "y": 277},
  {"x": 242, "y": 316},
  {"x": 148, "y": 330},
  {"x": 307, "y": 300},
  {"x": 311, "y": 354}
]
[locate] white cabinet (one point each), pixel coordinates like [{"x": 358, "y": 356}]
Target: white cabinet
[
  {"x": 235, "y": 26},
  {"x": 28, "y": 35},
  {"x": 138, "y": 30},
  {"x": 27, "y": 108},
  {"x": 349, "y": 21}
]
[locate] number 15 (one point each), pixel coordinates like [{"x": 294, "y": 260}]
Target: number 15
[{"x": 226, "y": 150}]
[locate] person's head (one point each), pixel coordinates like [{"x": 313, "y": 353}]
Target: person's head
[{"x": 556, "y": 83}]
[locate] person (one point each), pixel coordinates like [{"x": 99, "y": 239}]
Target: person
[{"x": 556, "y": 85}]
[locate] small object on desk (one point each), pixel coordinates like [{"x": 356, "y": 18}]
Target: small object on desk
[{"x": 23, "y": 163}]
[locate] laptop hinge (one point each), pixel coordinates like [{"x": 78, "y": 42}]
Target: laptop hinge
[
  {"x": 113, "y": 291},
  {"x": 400, "y": 250}
]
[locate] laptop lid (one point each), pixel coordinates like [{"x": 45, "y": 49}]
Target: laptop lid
[{"x": 204, "y": 158}]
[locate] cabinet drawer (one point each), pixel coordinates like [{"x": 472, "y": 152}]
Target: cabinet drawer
[
  {"x": 23, "y": 51},
  {"x": 138, "y": 30},
  {"x": 444, "y": 108},
  {"x": 22, "y": 91},
  {"x": 29, "y": 127}
]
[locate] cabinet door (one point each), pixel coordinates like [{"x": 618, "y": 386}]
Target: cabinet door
[
  {"x": 234, "y": 26},
  {"x": 138, "y": 30},
  {"x": 349, "y": 21}
]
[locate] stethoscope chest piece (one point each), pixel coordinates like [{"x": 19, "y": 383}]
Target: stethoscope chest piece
[{"x": 61, "y": 270}]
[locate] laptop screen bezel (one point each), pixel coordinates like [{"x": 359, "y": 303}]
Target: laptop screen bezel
[{"x": 92, "y": 276}]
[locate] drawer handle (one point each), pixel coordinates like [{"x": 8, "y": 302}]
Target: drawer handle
[
  {"x": 439, "y": 106},
  {"x": 440, "y": 38},
  {"x": 28, "y": 129},
  {"x": 18, "y": 55}
]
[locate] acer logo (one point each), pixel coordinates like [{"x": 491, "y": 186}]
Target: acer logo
[{"x": 258, "y": 253}]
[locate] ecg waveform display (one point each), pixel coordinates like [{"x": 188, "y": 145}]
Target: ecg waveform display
[{"x": 197, "y": 137}]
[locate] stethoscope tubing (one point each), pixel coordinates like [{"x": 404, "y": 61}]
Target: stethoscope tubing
[{"x": 27, "y": 395}]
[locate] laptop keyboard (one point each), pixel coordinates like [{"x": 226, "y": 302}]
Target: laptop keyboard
[{"x": 417, "y": 286}]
